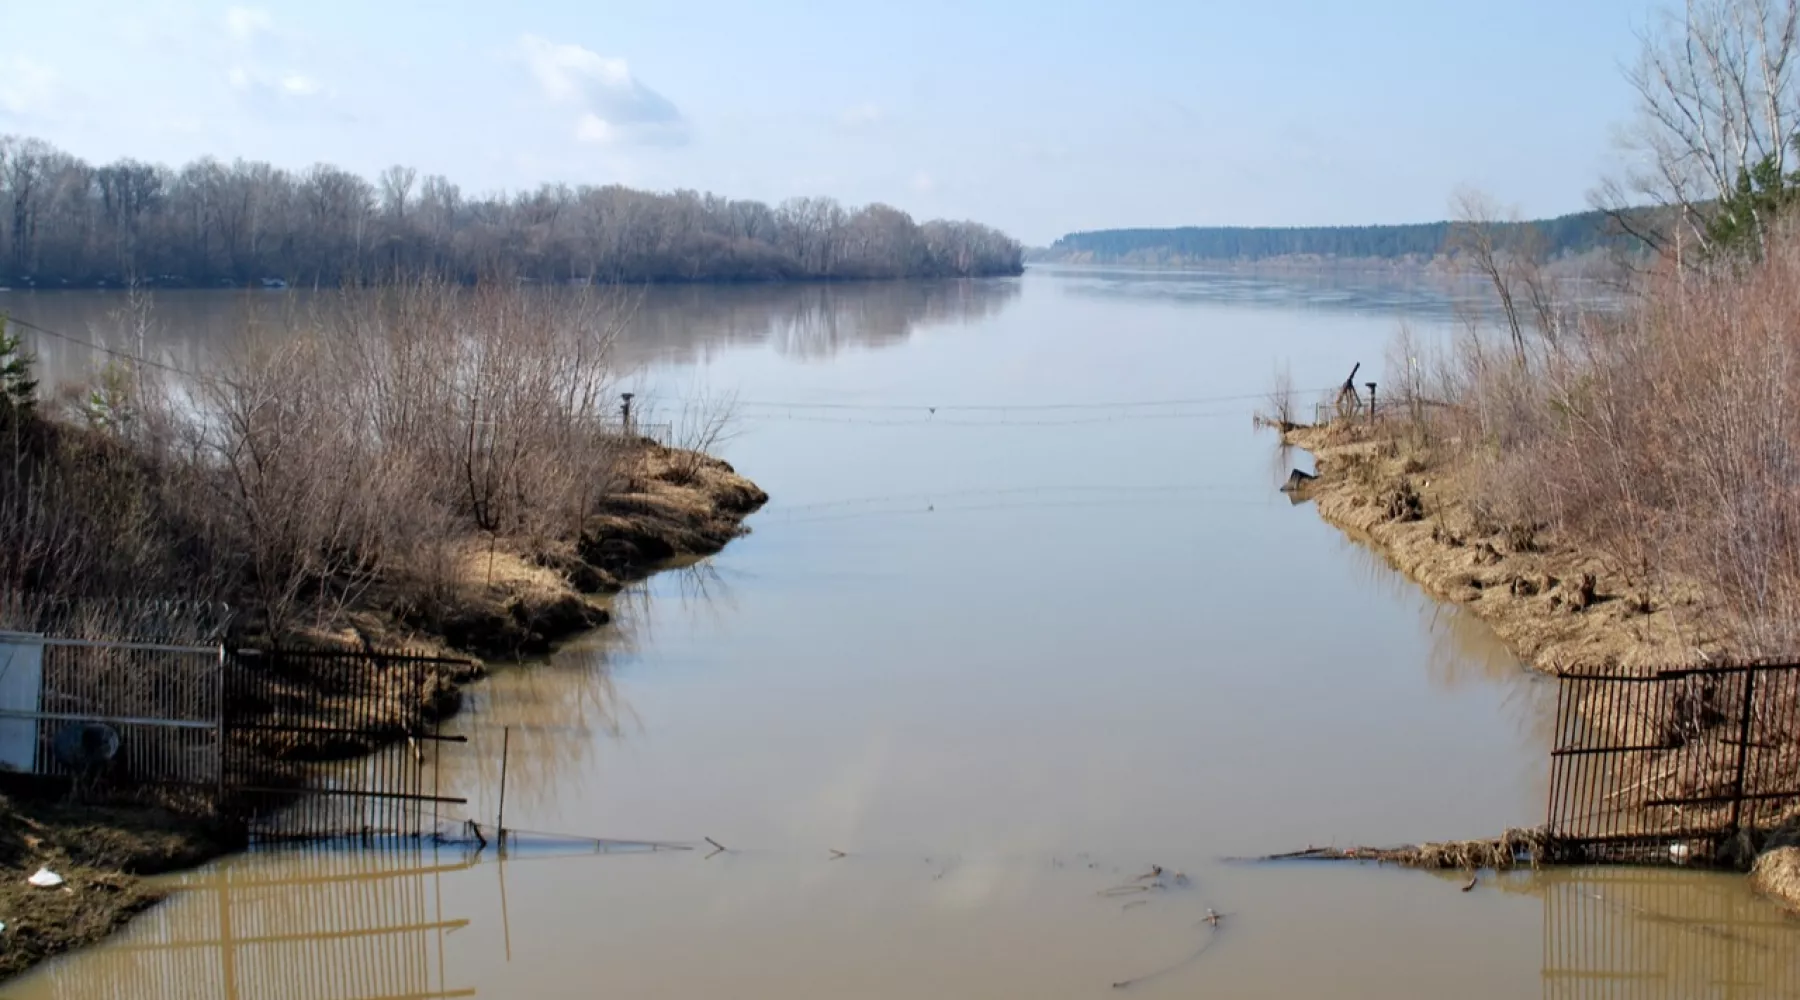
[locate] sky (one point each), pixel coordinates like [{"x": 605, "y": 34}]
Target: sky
[{"x": 1038, "y": 117}]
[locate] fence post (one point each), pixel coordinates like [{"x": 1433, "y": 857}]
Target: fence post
[
  {"x": 500, "y": 820},
  {"x": 625, "y": 411},
  {"x": 1743, "y": 754},
  {"x": 220, "y": 734}
]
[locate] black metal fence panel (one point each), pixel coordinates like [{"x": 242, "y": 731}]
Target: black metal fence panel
[
  {"x": 332, "y": 744},
  {"x": 1670, "y": 767}
]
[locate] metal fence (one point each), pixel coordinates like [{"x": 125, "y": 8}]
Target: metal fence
[
  {"x": 329, "y": 744},
  {"x": 135, "y": 714},
  {"x": 172, "y": 622},
  {"x": 1670, "y": 767}
]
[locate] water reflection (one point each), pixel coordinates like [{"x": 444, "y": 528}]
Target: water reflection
[
  {"x": 320, "y": 925},
  {"x": 547, "y": 722},
  {"x": 1638, "y": 933},
  {"x": 1427, "y": 297},
  {"x": 681, "y": 324},
  {"x": 191, "y": 330},
  {"x": 327, "y": 924},
  {"x": 1463, "y": 653}
]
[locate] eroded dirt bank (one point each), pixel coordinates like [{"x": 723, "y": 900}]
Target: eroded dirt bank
[
  {"x": 1558, "y": 608},
  {"x": 672, "y": 505}
]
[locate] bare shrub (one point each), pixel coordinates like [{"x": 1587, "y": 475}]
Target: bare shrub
[
  {"x": 1667, "y": 435},
  {"x": 1278, "y": 410},
  {"x": 350, "y": 454},
  {"x": 703, "y": 423}
]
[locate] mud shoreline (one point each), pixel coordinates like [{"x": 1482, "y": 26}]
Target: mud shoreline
[
  {"x": 1557, "y": 608},
  {"x": 675, "y": 506}
]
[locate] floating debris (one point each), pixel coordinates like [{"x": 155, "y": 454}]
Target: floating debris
[{"x": 1513, "y": 849}]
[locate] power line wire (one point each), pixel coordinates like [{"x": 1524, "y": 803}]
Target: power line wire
[
  {"x": 984, "y": 491},
  {"x": 1003, "y": 422},
  {"x": 928, "y": 409},
  {"x": 1142, "y": 404},
  {"x": 90, "y": 345}
]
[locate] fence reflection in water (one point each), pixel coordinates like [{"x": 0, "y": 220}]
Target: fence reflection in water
[
  {"x": 318, "y": 924},
  {"x": 1647, "y": 934}
]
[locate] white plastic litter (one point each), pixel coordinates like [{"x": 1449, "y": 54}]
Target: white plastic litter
[{"x": 45, "y": 879}]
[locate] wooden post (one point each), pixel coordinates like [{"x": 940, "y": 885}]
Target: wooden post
[
  {"x": 625, "y": 411},
  {"x": 1371, "y": 386}
]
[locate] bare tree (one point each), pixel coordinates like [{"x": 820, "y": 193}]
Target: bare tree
[
  {"x": 210, "y": 222},
  {"x": 1477, "y": 237},
  {"x": 396, "y": 190},
  {"x": 1717, "y": 97}
]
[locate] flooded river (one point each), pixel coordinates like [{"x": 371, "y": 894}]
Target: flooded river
[{"x": 1024, "y": 618}]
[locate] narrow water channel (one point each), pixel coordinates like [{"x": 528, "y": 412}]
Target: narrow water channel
[{"x": 1005, "y": 657}]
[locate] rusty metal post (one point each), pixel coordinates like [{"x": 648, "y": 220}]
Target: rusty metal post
[
  {"x": 1743, "y": 754},
  {"x": 500, "y": 822}
]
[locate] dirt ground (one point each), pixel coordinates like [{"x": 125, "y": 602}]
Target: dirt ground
[
  {"x": 1557, "y": 608},
  {"x": 104, "y": 854}
]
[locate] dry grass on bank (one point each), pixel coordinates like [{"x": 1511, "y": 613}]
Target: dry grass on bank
[
  {"x": 1640, "y": 466},
  {"x": 1666, "y": 435}
]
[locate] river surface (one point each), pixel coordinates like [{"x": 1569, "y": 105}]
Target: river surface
[{"x": 1024, "y": 617}]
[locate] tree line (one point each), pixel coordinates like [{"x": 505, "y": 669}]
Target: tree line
[
  {"x": 1562, "y": 236},
  {"x": 64, "y": 222}
]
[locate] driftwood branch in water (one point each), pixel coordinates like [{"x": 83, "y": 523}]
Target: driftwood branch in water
[
  {"x": 1513, "y": 849},
  {"x": 1211, "y": 920}
]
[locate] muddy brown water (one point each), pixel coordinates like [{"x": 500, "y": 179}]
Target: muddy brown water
[{"x": 1006, "y": 659}]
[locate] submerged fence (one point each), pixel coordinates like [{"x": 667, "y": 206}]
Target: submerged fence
[
  {"x": 1672, "y": 766},
  {"x": 300, "y": 727}
]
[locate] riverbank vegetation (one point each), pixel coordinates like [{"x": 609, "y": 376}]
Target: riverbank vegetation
[
  {"x": 1561, "y": 237},
  {"x": 417, "y": 458},
  {"x": 1662, "y": 430},
  {"x": 68, "y": 223}
]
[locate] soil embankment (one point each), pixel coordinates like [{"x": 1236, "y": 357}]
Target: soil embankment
[
  {"x": 672, "y": 505},
  {"x": 1559, "y": 609}
]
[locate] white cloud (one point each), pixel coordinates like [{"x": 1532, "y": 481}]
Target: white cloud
[
  {"x": 592, "y": 128},
  {"x": 862, "y": 115},
  {"x": 612, "y": 105},
  {"x": 299, "y": 85},
  {"x": 260, "y": 67},
  {"x": 245, "y": 23},
  {"x": 26, "y": 86}
]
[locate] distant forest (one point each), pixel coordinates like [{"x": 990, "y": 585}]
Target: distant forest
[
  {"x": 66, "y": 223},
  {"x": 1565, "y": 236}
]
